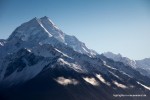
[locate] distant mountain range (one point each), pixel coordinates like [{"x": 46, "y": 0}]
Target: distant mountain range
[
  {"x": 143, "y": 66},
  {"x": 40, "y": 62}
]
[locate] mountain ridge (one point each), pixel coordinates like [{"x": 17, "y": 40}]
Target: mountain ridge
[
  {"x": 42, "y": 63},
  {"x": 143, "y": 65}
]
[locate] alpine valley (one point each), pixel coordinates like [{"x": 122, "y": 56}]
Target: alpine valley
[{"x": 40, "y": 62}]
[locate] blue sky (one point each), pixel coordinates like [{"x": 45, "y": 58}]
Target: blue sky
[{"x": 119, "y": 26}]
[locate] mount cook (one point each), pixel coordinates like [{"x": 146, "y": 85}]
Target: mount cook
[{"x": 40, "y": 62}]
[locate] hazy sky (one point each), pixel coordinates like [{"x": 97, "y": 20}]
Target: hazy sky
[{"x": 119, "y": 26}]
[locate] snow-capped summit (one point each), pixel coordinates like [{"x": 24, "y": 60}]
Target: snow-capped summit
[
  {"x": 32, "y": 30},
  {"x": 52, "y": 28},
  {"x": 47, "y": 20},
  {"x": 43, "y": 30}
]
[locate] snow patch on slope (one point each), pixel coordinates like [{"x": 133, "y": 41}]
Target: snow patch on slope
[
  {"x": 105, "y": 64},
  {"x": 66, "y": 81},
  {"x": 50, "y": 35},
  {"x": 73, "y": 66},
  {"x": 102, "y": 79},
  {"x": 119, "y": 85},
  {"x": 115, "y": 75},
  {"x": 146, "y": 87},
  {"x": 91, "y": 80},
  {"x": 62, "y": 53},
  {"x": 126, "y": 74},
  {"x": 63, "y": 62},
  {"x": 1, "y": 44}
]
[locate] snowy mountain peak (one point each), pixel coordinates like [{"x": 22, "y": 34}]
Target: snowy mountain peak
[
  {"x": 43, "y": 30},
  {"x": 30, "y": 30},
  {"x": 46, "y": 19}
]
